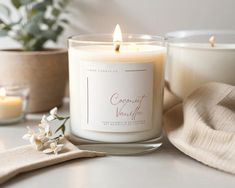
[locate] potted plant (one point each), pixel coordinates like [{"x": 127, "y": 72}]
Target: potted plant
[{"x": 44, "y": 70}]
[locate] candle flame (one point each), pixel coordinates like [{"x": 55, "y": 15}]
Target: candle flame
[
  {"x": 117, "y": 37},
  {"x": 212, "y": 41},
  {"x": 3, "y": 92},
  {"x": 117, "y": 34}
]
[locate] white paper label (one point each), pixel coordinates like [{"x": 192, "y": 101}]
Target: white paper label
[{"x": 116, "y": 97}]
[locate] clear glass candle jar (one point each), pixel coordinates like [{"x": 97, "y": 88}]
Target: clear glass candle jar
[
  {"x": 198, "y": 57},
  {"x": 13, "y": 103},
  {"x": 116, "y": 96}
]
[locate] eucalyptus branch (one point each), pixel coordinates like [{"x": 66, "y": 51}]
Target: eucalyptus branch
[{"x": 40, "y": 21}]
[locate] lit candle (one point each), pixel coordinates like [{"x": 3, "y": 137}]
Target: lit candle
[
  {"x": 10, "y": 106},
  {"x": 117, "y": 38},
  {"x": 116, "y": 88},
  {"x": 192, "y": 63}
]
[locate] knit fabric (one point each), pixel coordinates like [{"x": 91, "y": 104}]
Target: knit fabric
[{"x": 203, "y": 126}]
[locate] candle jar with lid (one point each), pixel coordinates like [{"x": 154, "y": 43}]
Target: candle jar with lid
[
  {"x": 116, "y": 90},
  {"x": 198, "y": 57},
  {"x": 13, "y": 103}
]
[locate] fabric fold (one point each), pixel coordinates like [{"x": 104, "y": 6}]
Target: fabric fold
[
  {"x": 203, "y": 127},
  {"x": 27, "y": 158}
]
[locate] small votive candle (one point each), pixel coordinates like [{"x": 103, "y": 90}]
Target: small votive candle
[{"x": 13, "y": 103}]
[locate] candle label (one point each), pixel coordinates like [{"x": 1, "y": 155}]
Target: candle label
[{"x": 116, "y": 97}]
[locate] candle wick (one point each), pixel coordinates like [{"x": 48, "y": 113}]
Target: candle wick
[
  {"x": 212, "y": 41},
  {"x": 117, "y": 47}
]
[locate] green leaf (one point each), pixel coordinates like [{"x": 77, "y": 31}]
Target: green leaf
[
  {"x": 2, "y": 23},
  {"x": 57, "y": 129},
  {"x": 53, "y": 35},
  {"x": 63, "y": 3},
  {"x": 55, "y": 12},
  {"x": 64, "y": 21},
  {"x": 3, "y": 33},
  {"x": 4, "y": 26},
  {"x": 59, "y": 30},
  {"x": 31, "y": 13},
  {"x": 62, "y": 128},
  {"x": 49, "y": 22},
  {"x": 32, "y": 28},
  {"x": 49, "y": 2},
  {"x": 40, "y": 7},
  {"x": 23, "y": 36},
  {"x": 37, "y": 28},
  {"x": 16, "y": 3},
  {"x": 49, "y": 34},
  {"x": 39, "y": 45},
  {"x": 37, "y": 17},
  {"x": 34, "y": 44},
  {"x": 4, "y": 10},
  {"x": 26, "y": 2}
]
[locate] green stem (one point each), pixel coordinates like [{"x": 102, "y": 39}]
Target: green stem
[{"x": 62, "y": 127}]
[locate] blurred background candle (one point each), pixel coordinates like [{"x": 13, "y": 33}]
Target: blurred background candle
[
  {"x": 13, "y": 101},
  {"x": 198, "y": 57},
  {"x": 116, "y": 86},
  {"x": 10, "y": 107}
]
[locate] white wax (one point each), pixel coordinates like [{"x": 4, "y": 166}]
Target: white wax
[
  {"x": 10, "y": 107},
  {"x": 106, "y": 54},
  {"x": 191, "y": 65}
]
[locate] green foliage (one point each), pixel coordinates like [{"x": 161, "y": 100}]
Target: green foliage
[{"x": 39, "y": 21}]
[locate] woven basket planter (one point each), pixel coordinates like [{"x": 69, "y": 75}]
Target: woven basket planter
[{"x": 45, "y": 72}]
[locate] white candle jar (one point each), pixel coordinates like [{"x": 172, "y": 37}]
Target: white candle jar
[
  {"x": 116, "y": 96},
  {"x": 193, "y": 59},
  {"x": 13, "y": 103}
]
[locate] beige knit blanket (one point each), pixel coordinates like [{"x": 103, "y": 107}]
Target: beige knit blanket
[{"x": 203, "y": 127}]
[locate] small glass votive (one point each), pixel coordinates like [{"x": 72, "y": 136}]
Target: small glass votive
[{"x": 13, "y": 103}]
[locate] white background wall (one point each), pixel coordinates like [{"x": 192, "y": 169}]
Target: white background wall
[{"x": 145, "y": 16}]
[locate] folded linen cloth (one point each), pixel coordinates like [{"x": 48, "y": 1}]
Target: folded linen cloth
[
  {"x": 203, "y": 126},
  {"x": 27, "y": 158}
]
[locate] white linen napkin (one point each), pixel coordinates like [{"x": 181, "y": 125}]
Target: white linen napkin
[{"x": 27, "y": 158}]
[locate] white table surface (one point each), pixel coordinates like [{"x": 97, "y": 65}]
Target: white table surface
[{"x": 165, "y": 168}]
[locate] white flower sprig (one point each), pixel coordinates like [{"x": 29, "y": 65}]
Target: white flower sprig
[
  {"x": 44, "y": 139},
  {"x": 54, "y": 148}
]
